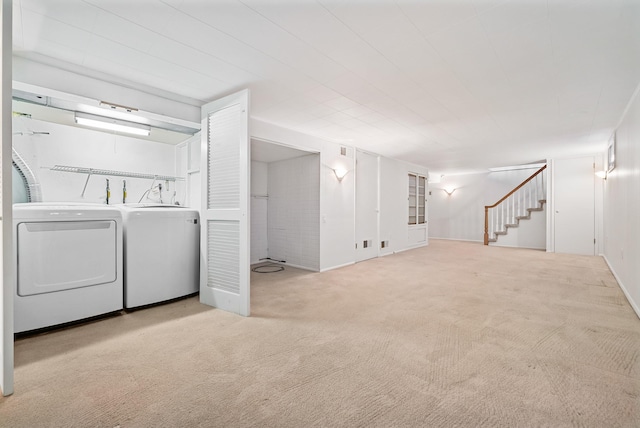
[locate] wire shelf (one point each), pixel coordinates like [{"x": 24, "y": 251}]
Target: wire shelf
[{"x": 94, "y": 171}]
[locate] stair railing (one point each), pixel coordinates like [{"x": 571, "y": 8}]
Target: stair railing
[{"x": 515, "y": 206}]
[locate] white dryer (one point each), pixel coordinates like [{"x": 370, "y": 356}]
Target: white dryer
[
  {"x": 68, "y": 263},
  {"x": 161, "y": 253}
]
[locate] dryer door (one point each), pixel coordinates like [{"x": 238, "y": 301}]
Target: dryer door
[{"x": 62, "y": 255}]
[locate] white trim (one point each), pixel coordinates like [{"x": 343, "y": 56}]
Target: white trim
[
  {"x": 417, "y": 245},
  {"x": 551, "y": 225},
  {"x": 412, "y": 247},
  {"x": 514, "y": 246},
  {"x": 6, "y": 265},
  {"x": 283, "y": 264},
  {"x": 456, "y": 239},
  {"x": 287, "y": 145},
  {"x": 634, "y": 306},
  {"x": 298, "y": 267},
  {"x": 337, "y": 267}
]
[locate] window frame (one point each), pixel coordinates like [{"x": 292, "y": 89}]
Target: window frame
[{"x": 417, "y": 199}]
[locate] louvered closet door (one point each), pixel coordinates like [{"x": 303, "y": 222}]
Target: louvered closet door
[{"x": 224, "y": 273}]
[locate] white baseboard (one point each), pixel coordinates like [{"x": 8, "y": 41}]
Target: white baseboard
[
  {"x": 493, "y": 244},
  {"x": 634, "y": 306},
  {"x": 411, "y": 247},
  {"x": 337, "y": 266},
  {"x": 455, "y": 239},
  {"x": 284, "y": 264},
  {"x": 299, "y": 267}
]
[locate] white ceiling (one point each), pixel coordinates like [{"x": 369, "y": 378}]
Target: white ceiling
[{"x": 450, "y": 84}]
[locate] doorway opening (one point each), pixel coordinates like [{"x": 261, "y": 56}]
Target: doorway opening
[{"x": 285, "y": 207}]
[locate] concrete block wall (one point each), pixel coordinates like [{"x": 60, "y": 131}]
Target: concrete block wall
[{"x": 293, "y": 224}]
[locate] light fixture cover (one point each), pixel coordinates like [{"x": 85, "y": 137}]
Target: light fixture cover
[
  {"x": 109, "y": 124},
  {"x": 340, "y": 173}
]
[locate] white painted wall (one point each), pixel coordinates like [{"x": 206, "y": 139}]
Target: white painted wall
[
  {"x": 529, "y": 233},
  {"x": 394, "y": 205},
  {"x": 394, "y": 194},
  {"x": 259, "y": 209},
  {"x": 72, "y": 146},
  {"x": 259, "y": 178},
  {"x": 180, "y": 154},
  {"x": 294, "y": 211},
  {"x": 192, "y": 182},
  {"x": 622, "y": 206},
  {"x": 461, "y": 214},
  {"x": 337, "y": 199}
]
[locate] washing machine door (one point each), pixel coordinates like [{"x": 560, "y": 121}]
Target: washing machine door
[{"x": 62, "y": 255}]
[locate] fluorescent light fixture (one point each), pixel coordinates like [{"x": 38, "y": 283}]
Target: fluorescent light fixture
[
  {"x": 340, "y": 173},
  {"x": 109, "y": 124}
]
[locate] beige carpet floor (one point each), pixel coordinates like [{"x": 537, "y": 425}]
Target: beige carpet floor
[{"x": 454, "y": 334}]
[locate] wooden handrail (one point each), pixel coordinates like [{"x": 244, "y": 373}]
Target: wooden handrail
[{"x": 486, "y": 207}]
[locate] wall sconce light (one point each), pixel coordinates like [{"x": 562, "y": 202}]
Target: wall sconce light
[
  {"x": 601, "y": 174},
  {"x": 449, "y": 190},
  {"x": 340, "y": 173},
  {"x": 111, "y": 124}
]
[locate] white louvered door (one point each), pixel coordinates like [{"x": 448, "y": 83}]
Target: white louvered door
[{"x": 224, "y": 270}]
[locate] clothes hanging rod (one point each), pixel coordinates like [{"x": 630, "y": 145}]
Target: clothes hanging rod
[{"x": 94, "y": 171}]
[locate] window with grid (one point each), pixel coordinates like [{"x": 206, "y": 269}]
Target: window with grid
[{"x": 417, "y": 199}]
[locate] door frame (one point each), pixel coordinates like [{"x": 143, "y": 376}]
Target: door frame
[
  {"x": 6, "y": 376},
  {"x": 376, "y": 183}
]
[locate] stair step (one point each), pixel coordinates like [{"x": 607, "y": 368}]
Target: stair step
[{"x": 516, "y": 209}]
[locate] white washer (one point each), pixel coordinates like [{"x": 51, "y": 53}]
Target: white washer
[
  {"x": 68, "y": 263},
  {"x": 161, "y": 253}
]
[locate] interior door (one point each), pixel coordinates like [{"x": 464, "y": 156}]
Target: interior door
[
  {"x": 224, "y": 172},
  {"x": 366, "y": 206},
  {"x": 574, "y": 205}
]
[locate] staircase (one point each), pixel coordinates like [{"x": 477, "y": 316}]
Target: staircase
[{"x": 527, "y": 197}]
